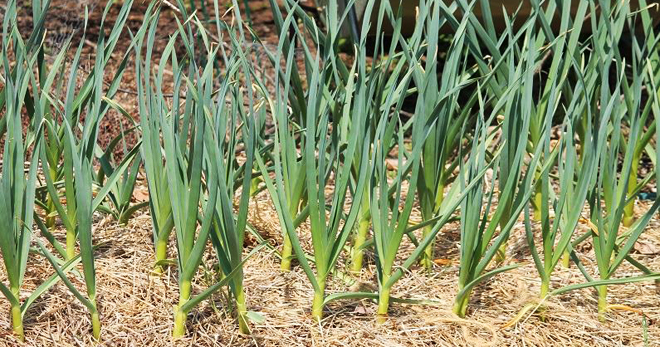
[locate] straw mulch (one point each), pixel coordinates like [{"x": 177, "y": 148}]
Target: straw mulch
[{"x": 136, "y": 305}]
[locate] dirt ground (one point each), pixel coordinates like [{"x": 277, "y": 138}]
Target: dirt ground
[{"x": 136, "y": 305}]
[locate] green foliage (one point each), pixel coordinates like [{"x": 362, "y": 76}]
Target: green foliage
[{"x": 543, "y": 123}]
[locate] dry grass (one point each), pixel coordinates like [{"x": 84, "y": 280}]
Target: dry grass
[{"x": 136, "y": 306}]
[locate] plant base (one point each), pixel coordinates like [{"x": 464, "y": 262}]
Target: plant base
[
  {"x": 287, "y": 249},
  {"x": 358, "y": 252},
  {"x": 17, "y": 322},
  {"x": 96, "y": 326},
  {"x": 460, "y": 306},
  {"x": 179, "y": 314},
  {"x": 566, "y": 260},
  {"x": 161, "y": 255},
  {"x": 500, "y": 257},
  {"x": 317, "y": 305},
  {"x": 241, "y": 310},
  {"x": 179, "y": 323},
  {"x": 383, "y": 305},
  {"x": 70, "y": 244},
  {"x": 628, "y": 221},
  {"x": 427, "y": 257}
]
